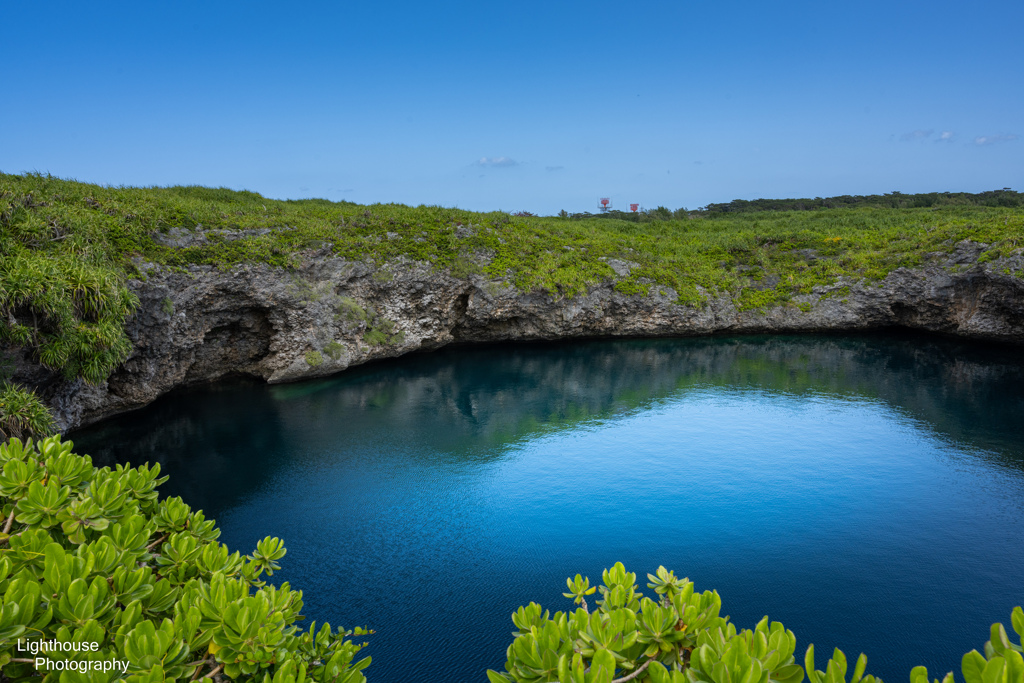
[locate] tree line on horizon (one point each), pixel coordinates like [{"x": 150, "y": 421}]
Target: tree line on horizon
[{"x": 892, "y": 200}]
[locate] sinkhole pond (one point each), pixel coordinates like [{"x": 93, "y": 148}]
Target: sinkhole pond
[{"x": 866, "y": 491}]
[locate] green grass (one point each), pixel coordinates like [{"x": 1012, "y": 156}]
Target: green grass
[
  {"x": 68, "y": 248},
  {"x": 108, "y": 226}
]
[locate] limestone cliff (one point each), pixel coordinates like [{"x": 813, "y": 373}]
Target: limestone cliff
[{"x": 326, "y": 314}]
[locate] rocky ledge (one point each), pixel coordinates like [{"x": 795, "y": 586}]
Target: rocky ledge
[{"x": 326, "y": 314}]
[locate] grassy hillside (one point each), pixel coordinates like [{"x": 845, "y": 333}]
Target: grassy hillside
[{"x": 67, "y": 250}]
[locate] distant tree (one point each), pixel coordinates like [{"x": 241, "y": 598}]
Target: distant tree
[{"x": 894, "y": 200}]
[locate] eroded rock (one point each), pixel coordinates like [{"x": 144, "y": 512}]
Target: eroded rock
[{"x": 330, "y": 314}]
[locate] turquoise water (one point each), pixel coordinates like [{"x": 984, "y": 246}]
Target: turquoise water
[{"x": 866, "y": 491}]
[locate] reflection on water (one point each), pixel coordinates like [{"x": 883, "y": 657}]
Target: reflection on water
[{"x": 864, "y": 490}]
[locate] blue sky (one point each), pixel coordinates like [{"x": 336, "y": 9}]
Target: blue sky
[{"x": 534, "y": 106}]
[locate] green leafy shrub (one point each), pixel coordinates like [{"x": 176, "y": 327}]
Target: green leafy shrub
[
  {"x": 334, "y": 350},
  {"x": 679, "y": 636},
  {"x": 310, "y": 292},
  {"x": 349, "y": 310},
  {"x": 463, "y": 265},
  {"x": 69, "y": 312},
  {"x": 91, "y": 555},
  {"x": 838, "y": 292},
  {"x": 22, "y": 413},
  {"x": 314, "y": 359},
  {"x": 375, "y": 337},
  {"x": 631, "y": 287},
  {"x": 753, "y": 299},
  {"x": 379, "y": 330},
  {"x": 1001, "y": 663}
]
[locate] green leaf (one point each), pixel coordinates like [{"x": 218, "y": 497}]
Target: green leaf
[
  {"x": 858, "y": 671},
  {"x": 602, "y": 667},
  {"x": 998, "y": 638},
  {"x": 840, "y": 661},
  {"x": 1014, "y": 666},
  {"x": 753, "y": 673},
  {"x": 793, "y": 673},
  {"x": 812, "y": 674},
  {"x": 993, "y": 671},
  {"x": 657, "y": 671},
  {"x": 1017, "y": 619},
  {"x": 919, "y": 674},
  {"x": 972, "y": 665}
]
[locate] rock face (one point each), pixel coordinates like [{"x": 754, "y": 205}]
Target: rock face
[{"x": 327, "y": 314}]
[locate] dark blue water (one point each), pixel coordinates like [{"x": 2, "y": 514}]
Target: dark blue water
[{"x": 868, "y": 492}]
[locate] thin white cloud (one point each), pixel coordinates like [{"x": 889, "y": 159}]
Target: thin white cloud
[
  {"x": 497, "y": 161},
  {"x": 916, "y": 135},
  {"x": 945, "y": 136},
  {"x": 553, "y": 168},
  {"x": 983, "y": 140}
]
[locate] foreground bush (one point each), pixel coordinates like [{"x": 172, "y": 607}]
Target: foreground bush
[
  {"x": 91, "y": 556},
  {"x": 679, "y": 637}
]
